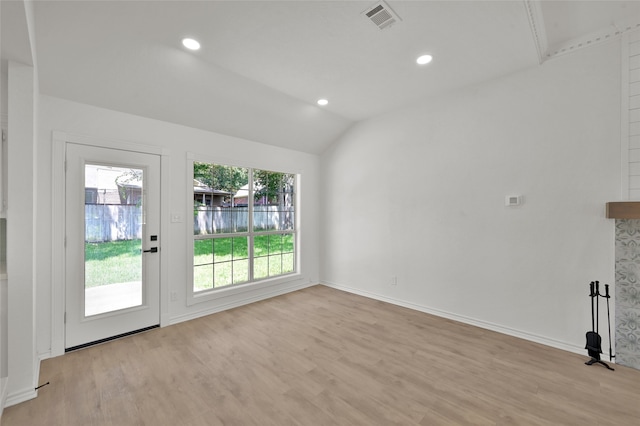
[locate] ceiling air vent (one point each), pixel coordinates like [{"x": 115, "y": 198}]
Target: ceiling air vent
[{"x": 381, "y": 15}]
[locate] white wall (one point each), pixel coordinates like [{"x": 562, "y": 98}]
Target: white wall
[
  {"x": 21, "y": 236},
  {"x": 419, "y": 194},
  {"x": 630, "y": 62},
  {"x": 4, "y": 331},
  {"x": 61, "y": 115}
]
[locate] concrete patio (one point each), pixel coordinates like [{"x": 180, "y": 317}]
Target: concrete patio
[{"x": 112, "y": 297}]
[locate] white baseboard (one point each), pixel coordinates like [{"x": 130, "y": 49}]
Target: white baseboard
[
  {"x": 250, "y": 298},
  {"x": 4, "y": 384},
  {"x": 44, "y": 355},
  {"x": 21, "y": 396},
  {"x": 463, "y": 319},
  {"x": 26, "y": 394}
]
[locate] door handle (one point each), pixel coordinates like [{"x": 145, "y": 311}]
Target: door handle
[{"x": 151, "y": 250}]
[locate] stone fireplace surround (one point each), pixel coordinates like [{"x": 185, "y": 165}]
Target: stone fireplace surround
[
  {"x": 627, "y": 281},
  {"x": 627, "y": 292}
]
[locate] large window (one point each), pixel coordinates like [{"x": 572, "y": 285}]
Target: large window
[{"x": 244, "y": 226}]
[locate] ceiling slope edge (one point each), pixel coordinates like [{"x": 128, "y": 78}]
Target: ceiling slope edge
[
  {"x": 17, "y": 30},
  {"x": 538, "y": 30},
  {"x": 546, "y": 52},
  {"x": 603, "y": 35}
]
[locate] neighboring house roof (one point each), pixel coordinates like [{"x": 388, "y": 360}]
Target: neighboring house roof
[
  {"x": 201, "y": 188},
  {"x": 244, "y": 191},
  {"x": 105, "y": 177}
]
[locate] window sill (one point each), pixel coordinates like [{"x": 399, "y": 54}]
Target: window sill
[{"x": 233, "y": 290}]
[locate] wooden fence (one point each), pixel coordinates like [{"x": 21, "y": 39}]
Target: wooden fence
[
  {"x": 105, "y": 222},
  {"x": 122, "y": 222},
  {"x": 219, "y": 220}
]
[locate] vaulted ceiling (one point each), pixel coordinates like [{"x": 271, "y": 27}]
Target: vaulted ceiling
[{"x": 264, "y": 64}]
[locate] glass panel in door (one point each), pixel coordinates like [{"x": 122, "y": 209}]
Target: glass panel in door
[{"x": 113, "y": 238}]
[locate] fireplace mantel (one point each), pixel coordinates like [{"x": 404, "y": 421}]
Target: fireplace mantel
[{"x": 623, "y": 210}]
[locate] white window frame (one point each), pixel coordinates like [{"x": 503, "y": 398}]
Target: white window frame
[{"x": 194, "y": 297}]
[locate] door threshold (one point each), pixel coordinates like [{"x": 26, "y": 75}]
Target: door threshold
[{"x": 108, "y": 339}]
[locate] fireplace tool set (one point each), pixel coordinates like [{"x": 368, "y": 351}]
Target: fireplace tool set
[{"x": 594, "y": 341}]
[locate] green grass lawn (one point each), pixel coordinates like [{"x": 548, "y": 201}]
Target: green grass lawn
[
  {"x": 222, "y": 261},
  {"x": 112, "y": 262}
]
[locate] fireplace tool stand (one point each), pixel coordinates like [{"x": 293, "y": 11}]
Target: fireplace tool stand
[{"x": 594, "y": 341}]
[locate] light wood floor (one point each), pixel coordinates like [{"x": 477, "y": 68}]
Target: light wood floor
[{"x": 324, "y": 357}]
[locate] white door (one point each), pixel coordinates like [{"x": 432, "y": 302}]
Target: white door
[{"x": 112, "y": 243}]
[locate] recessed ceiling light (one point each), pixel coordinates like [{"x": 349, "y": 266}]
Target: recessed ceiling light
[
  {"x": 424, "y": 59},
  {"x": 323, "y": 102},
  {"x": 190, "y": 43}
]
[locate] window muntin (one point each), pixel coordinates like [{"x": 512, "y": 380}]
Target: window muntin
[
  {"x": 220, "y": 262},
  {"x": 273, "y": 255},
  {"x": 214, "y": 199},
  {"x": 273, "y": 207},
  {"x": 242, "y": 232}
]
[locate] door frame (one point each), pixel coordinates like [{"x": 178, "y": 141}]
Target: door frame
[{"x": 58, "y": 220}]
